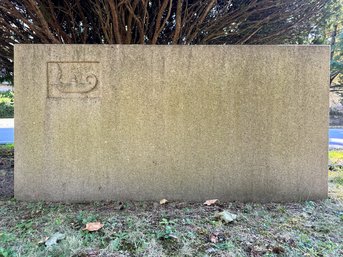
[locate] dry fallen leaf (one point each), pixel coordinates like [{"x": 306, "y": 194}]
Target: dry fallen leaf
[
  {"x": 43, "y": 241},
  {"x": 172, "y": 236},
  {"x": 278, "y": 250},
  {"x": 214, "y": 238},
  {"x": 163, "y": 201},
  {"x": 54, "y": 239},
  {"x": 226, "y": 216},
  {"x": 93, "y": 226},
  {"x": 211, "y": 202}
]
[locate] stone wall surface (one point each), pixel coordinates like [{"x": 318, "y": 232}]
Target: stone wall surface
[{"x": 139, "y": 122}]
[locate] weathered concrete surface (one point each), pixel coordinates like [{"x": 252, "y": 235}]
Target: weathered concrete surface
[{"x": 244, "y": 123}]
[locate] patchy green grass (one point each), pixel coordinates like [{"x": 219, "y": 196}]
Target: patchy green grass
[
  {"x": 177, "y": 228},
  {"x": 145, "y": 229},
  {"x": 336, "y": 174},
  {"x": 335, "y": 156}
]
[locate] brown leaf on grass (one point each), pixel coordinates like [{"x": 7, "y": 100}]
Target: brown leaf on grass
[
  {"x": 163, "y": 201},
  {"x": 211, "y": 202},
  {"x": 278, "y": 250},
  {"x": 214, "y": 238},
  {"x": 93, "y": 226},
  {"x": 43, "y": 241}
]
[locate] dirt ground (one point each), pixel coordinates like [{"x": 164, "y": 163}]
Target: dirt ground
[{"x": 6, "y": 173}]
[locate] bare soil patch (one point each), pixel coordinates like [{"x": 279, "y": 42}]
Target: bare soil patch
[{"x": 6, "y": 172}]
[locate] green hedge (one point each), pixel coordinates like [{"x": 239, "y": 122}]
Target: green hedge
[{"x": 6, "y": 105}]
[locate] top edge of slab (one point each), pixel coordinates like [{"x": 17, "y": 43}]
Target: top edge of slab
[{"x": 174, "y": 46}]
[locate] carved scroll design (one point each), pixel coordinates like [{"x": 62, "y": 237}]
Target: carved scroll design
[{"x": 74, "y": 85}]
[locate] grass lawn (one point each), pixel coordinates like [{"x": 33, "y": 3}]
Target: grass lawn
[
  {"x": 336, "y": 156},
  {"x": 177, "y": 228}
]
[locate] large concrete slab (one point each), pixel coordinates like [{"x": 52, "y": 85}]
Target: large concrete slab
[{"x": 245, "y": 123}]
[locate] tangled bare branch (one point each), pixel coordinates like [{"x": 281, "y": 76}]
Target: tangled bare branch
[{"x": 154, "y": 22}]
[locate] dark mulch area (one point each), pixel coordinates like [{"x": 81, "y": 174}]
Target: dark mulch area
[{"x": 6, "y": 173}]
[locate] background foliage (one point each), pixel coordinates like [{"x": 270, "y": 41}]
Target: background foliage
[
  {"x": 330, "y": 31},
  {"x": 157, "y": 22},
  {"x": 6, "y": 104}
]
